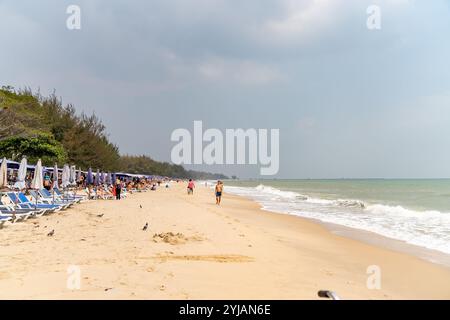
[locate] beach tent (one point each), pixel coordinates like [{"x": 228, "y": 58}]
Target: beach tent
[
  {"x": 55, "y": 176},
  {"x": 38, "y": 179},
  {"x": 65, "y": 179},
  {"x": 21, "y": 175},
  {"x": 4, "y": 174},
  {"x": 89, "y": 178}
]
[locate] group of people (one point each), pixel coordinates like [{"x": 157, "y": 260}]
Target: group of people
[
  {"x": 218, "y": 190},
  {"x": 104, "y": 191}
]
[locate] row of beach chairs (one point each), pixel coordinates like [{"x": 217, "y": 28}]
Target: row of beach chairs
[{"x": 16, "y": 206}]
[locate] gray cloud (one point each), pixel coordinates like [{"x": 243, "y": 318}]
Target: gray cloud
[{"x": 349, "y": 102}]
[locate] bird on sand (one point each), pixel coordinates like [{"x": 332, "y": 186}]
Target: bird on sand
[{"x": 145, "y": 227}]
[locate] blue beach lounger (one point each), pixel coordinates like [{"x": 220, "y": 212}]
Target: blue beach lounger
[
  {"x": 47, "y": 197},
  {"x": 48, "y": 201},
  {"x": 22, "y": 202}
]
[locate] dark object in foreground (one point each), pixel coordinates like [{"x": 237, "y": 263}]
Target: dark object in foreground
[
  {"x": 51, "y": 233},
  {"x": 328, "y": 295},
  {"x": 145, "y": 227}
]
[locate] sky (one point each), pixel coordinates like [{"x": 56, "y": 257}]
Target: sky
[{"x": 349, "y": 101}]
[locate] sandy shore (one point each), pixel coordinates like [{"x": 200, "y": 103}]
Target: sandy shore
[{"x": 196, "y": 250}]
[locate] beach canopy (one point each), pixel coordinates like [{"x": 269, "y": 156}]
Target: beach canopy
[
  {"x": 65, "y": 179},
  {"x": 4, "y": 174},
  {"x": 38, "y": 179},
  {"x": 21, "y": 175},
  {"x": 55, "y": 176},
  {"x": 89, "y": 178}
]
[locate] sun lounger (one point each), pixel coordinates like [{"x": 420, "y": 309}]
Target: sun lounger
[
  {"x": 75, "y": 198},
  {"x": 22, "y": 202},
  {"x": 38, "y": 197},
  {"x": 47, "y": 208},
  {"x": 47, "y": 197},
  {"x": 16, "y": 215}
]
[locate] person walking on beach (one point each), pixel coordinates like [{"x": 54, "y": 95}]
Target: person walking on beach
[
  {"x": 118, "y": 188},
  {"x": 191, "y": 187},
  {"x": 219, "y": 190}
]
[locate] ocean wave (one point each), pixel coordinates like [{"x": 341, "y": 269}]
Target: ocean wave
[
  {"x": 429, "y": 229},
  {"x": 280, "y": 193}
]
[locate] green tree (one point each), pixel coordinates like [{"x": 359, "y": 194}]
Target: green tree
[{"x": 42, "y": 146}]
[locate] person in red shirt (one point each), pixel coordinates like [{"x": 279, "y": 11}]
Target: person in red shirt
[{"x": 190, "y": 187}]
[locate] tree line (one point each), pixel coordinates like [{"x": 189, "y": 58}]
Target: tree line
[{"x": 39, "y": 126}]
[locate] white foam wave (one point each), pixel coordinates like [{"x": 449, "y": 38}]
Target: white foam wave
[{"x": 429, "y": 229}]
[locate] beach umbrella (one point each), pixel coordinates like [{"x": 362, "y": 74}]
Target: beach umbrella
[
  {"x": 97, "y": 178},
  {"x": 108, "y": 178},
  {"x": 101, "y": 179},
  {"x": 89, "y": 178},
  {"x": 73, "y": 175},
  {"x": 21, "y": 175},
  {"x": 38, "y": 179},
  {"x": 55, "y": 176},
  {"x": 4, "y": 174},
  {"x": 65, "y": 179},
  {"x": 113, "y": 178},
  {"x": 78, "y": 178}
]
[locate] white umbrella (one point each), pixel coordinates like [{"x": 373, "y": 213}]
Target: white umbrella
[
  {"x": 38, "y": 179},
  {"x": 55, "y": 176},
  {"x": 65, "y": 179},
  {"x": 108, "y": 179},
  {"x": 73, "y": 175},
  {"x": 4, "y": 173},
  {"x": 21, "y": 175},
  {"x": 79, "y": 175}
]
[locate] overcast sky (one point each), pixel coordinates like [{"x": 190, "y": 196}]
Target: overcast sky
[{"x": 349, "y": 101}]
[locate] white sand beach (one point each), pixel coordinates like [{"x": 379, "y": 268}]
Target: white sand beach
[{"x": 194, "y": 249}]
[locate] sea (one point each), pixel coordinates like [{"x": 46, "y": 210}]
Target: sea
[{"x": 415, "y": 212}]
